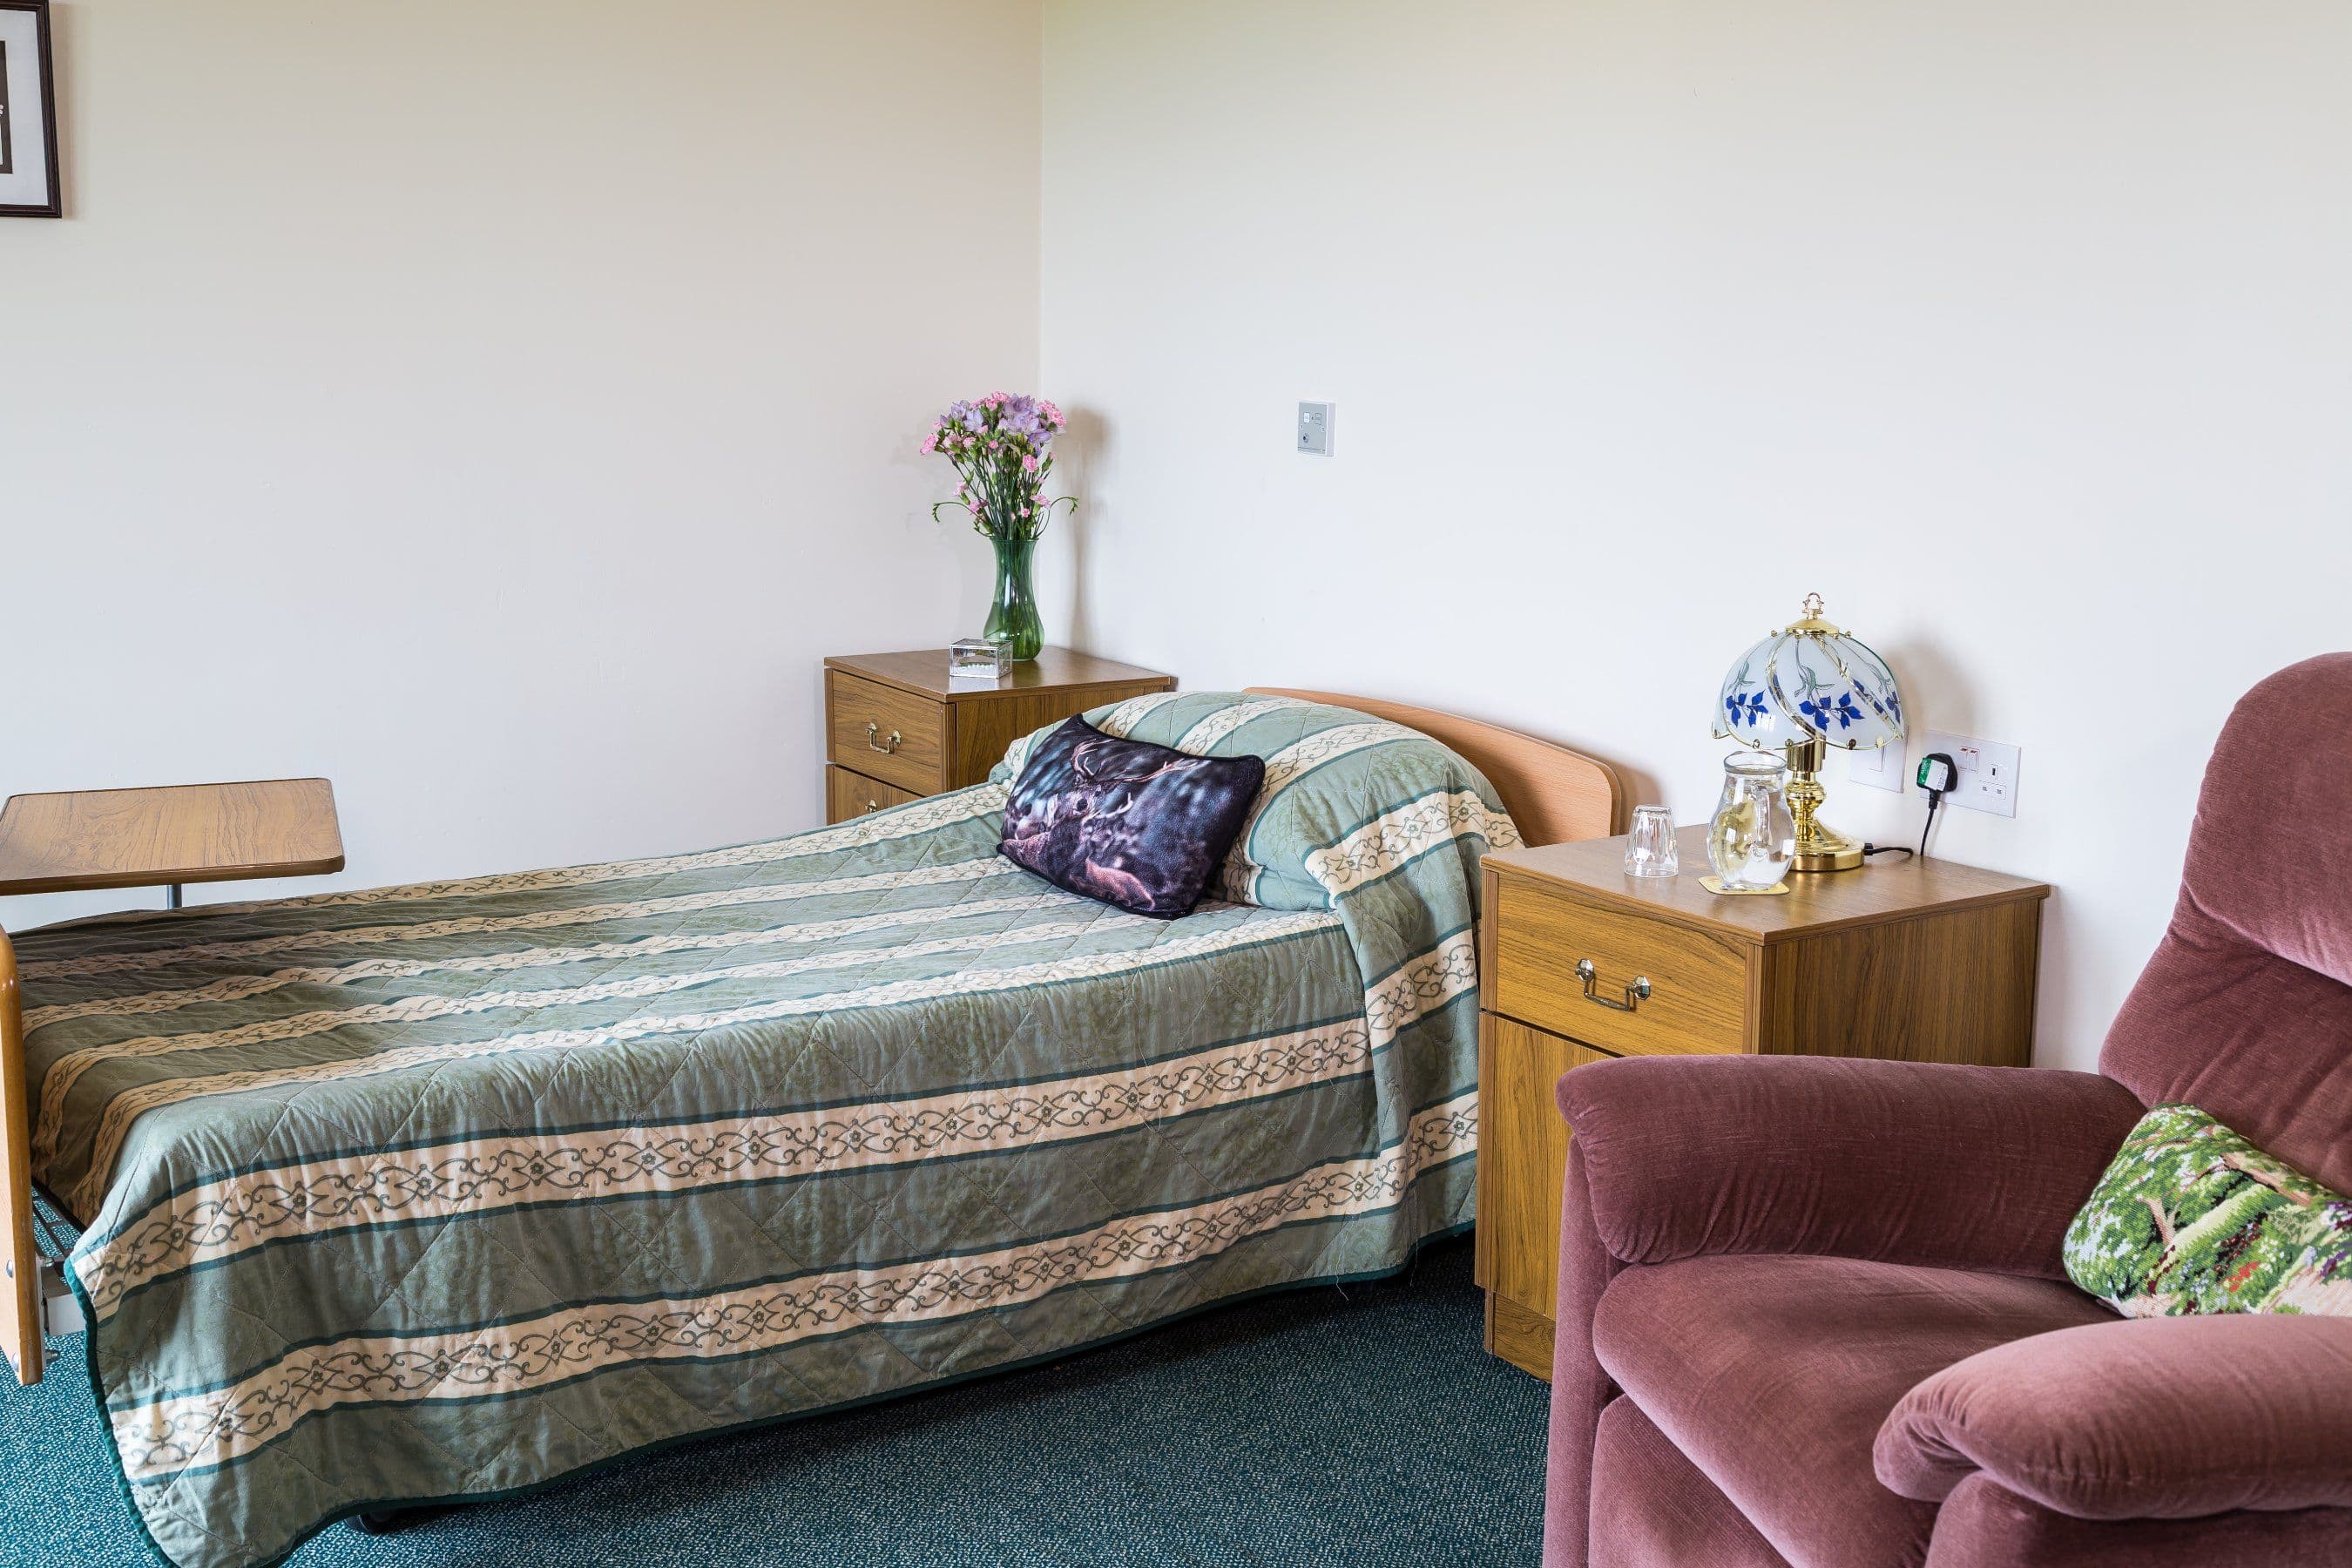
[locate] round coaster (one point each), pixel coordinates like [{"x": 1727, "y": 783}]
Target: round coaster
[{"x": 1714, "y": 884}]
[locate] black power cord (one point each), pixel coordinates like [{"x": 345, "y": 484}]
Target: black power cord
[{"x": 1937, "y": 773}]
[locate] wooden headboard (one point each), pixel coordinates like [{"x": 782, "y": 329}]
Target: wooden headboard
[{"x": 1554, "y": 794}]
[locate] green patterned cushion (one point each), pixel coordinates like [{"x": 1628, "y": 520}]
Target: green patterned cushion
[
  {"x": 1349, "y": 801},
  {"x": 2191, "y": 1218}
]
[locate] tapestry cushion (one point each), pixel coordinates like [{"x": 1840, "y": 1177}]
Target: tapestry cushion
[
  {"x": 2191, "y": 1218},
  {"x": 1126, "y": 822}
]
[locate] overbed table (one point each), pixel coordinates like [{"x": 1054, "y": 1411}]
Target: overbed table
[{"x": 79, "y": 840}]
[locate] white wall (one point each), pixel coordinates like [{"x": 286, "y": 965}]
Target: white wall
[
  {"x": 2020, "y": 330},
  {"x": 499, "y": 408}
]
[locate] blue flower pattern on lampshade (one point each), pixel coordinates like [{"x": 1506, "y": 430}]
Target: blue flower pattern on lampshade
[
  {"x": 1799, "y": 685},
  {"x": 1824, "y": 712},
  {"x": 1746, "y": 709}
]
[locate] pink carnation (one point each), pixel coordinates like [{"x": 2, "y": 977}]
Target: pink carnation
[{"x": 998, "y": 445}]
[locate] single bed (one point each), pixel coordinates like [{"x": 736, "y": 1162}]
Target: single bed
[{"x": 445, "y": 1191}]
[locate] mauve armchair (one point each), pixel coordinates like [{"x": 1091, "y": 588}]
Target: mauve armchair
[{"x": 1812, "y": 1312}]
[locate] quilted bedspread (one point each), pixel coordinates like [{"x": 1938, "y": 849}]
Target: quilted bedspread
[{"x": 447, "y": 1190}]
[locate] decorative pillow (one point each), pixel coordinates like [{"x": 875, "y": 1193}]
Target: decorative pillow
[
  {"x": 1131, "y": 824},
  {"x": 2191, "y": 1218},
  {"x": 1350, "y": 802}
]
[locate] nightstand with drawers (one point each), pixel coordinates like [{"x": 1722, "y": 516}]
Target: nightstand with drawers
[
  {"x": 1912, "y": 960},
  {"x": 897, "y": 730}
]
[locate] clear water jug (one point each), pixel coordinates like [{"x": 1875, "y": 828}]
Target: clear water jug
[{"x": 1752, "y": 838}]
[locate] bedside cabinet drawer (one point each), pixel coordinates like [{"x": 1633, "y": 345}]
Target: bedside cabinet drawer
[
  {"x": 885, "y": 733},
  {"x": 1696, "y": 996},
  {"x": 848, "y": 795}
]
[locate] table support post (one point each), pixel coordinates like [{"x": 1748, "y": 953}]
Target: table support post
[{"x": 172, "y": 897}]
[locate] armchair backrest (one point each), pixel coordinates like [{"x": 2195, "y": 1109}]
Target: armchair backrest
[{"x": 2246, "y": 1008}]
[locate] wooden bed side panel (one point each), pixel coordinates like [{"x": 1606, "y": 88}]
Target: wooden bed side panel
[
  {"x": 20, "y": 1258},
  {"x": 1554, "y": 794}
]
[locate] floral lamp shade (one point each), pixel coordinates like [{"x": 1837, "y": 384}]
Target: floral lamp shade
[{"x": 1810, "y": 681}]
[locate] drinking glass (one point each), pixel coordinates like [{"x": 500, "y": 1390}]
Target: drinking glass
[{"x": 1650, "y": 851}]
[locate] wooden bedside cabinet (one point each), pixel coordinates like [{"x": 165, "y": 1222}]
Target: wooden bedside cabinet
[
  {"x": 895, "y": 729},
  {"x": 1912, "y": 960}
]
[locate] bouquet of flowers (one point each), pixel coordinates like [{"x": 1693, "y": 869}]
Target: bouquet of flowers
[{"x": 1001, "y": 446}]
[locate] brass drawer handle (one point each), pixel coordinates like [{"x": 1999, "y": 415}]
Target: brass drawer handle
[
  {"x": 1635, "y": 995},
  {"x": 875, "y": 742},
  {"x": 872, "y": 804}
]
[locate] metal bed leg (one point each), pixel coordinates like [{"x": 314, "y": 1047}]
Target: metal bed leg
[
  {"x": 379, "y": 1522},
  {"x": 60, "y": 1308}
]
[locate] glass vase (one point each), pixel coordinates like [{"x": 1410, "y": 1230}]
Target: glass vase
[
  {"x": 1752, "y": 838},
  {"x": 1013, "y": 614}
]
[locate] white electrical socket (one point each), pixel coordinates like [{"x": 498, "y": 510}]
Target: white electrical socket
[
  {"x": 1880, "y": 767},
  {"x": 1315, "y": 428},
  {"x": 1988, "y": 773}
]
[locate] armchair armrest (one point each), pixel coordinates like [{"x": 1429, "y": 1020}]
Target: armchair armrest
[
  {"x": 2161, "y": 1419},
  {"x": 1957, "y": 1167}
]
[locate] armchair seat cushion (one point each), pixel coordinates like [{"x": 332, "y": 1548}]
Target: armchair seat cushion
[
  {"x": 1774, "y": 1372},
  {"x": 1653, "y": 1505}
]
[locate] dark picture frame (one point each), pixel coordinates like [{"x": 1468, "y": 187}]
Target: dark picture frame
[{"x": 19, "y": 139}]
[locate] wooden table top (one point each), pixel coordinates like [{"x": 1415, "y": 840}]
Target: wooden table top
[
  {"x": 925, "y": 671},
  {"x": 79, "y": 839},
  {"x": 1883, "y": 888}
]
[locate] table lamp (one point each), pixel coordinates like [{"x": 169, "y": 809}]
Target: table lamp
[{"x": 1807, "y": 687}]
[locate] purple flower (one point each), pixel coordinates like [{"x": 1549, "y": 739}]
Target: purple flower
[{"x": 998, "y": 445}]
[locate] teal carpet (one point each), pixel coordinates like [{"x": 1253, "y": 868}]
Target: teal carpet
[{"x": 1321, "y": 1427}]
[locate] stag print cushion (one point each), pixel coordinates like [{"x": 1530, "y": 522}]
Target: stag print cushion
[
  {"x": 2191, "y": 1218},
  {"x": 1126, "y": 822}
]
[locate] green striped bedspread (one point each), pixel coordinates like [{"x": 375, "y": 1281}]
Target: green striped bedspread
[{"x": 447, "y": 1190}]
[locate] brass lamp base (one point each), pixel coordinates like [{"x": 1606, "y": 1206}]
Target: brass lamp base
[
  {"x": 1820, "y": 847},
  {"x": 1824, "y": 850}
]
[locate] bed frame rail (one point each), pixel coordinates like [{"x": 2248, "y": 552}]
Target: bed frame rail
[{"x": 24, "y": 1285}]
